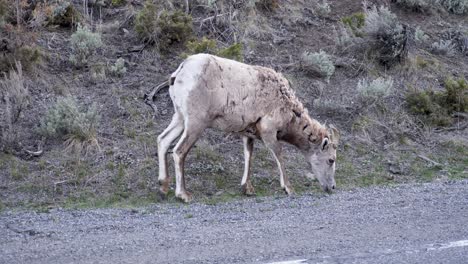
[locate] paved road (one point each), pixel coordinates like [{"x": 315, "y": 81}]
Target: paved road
[{"x": 425, "y": 223}]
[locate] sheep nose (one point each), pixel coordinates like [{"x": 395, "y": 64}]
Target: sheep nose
[
  {"x": 333, "y": 187},
  {"x": 331, "y": 161}
]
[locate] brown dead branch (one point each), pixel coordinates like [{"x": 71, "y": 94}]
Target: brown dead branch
[{"x": 149, "y": 98}]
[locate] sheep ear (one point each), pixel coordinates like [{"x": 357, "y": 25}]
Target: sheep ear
[
  {"x": 334, "y": 133},
  {"x": 324, "y": 143}
]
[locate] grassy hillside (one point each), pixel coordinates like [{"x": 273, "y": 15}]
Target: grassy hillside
[{"x": 76, "y": 132}]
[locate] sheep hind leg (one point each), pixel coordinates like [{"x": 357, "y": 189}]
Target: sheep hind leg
[
  {"x": 186, "y": 141},
  {"x": 165, "y": 139},
  {"x": 246, "y": 185}
]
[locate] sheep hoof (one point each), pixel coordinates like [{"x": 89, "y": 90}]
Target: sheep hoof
[
  {"x": 163, "y": 187},
  {"x": 186, "y": 197},
  {"x": 289, "y": 190},
  {"x": 248, "y": 189}
]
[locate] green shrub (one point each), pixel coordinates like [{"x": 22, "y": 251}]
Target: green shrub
[
  {"x": 376, "y": 89},
  {"x": 175, "y": 27},
  {"x": 29, "y": 56},
  {"x": 17, "y": 41},
  {"x": 355, "y": 22},
  {"x": 63, "y": 14},
  {"x": 425, "y": 105},
  {"x": 67, "y": 121},
  {"x": 318, "y": 63},
  {"x": 420, "y": 102},
  {"x": 269, "y": 5},
  {"x": 233, "y": 52},
  {"x": 146, "y": 23},
  {"x": 455, "y": 98},
  {"x": 84, "y": 44},
  {"x": 204, "y": 45},
  {"x": 118, "y": 2},
  {"x": 436, "y": 107},
  {"x": 118, "y": 69},
  {"x": 169, "y": 28}
]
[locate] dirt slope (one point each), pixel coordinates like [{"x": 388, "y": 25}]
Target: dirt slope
[{"x": 381, "y": 143}]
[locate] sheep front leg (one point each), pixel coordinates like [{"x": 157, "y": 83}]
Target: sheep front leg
[
  {"x": 246, "y": 185},
  {"x": 272, "y": 143}
]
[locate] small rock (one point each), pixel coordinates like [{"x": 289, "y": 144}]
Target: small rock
[{"x": 394, "y": 169}]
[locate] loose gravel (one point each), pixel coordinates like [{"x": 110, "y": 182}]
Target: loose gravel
[{"x": 404, "y": 223}]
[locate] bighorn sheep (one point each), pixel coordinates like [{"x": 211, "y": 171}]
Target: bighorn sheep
[{"x": 256, "y": 102}]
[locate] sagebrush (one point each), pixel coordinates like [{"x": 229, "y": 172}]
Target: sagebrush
[
  {"x": 459, "y": 7},
  {"x": 318, "y": 63},
  {"x": 376, "y": 89},
  {"x": 342, "y": 36},
  {"x": 118, "y": 69},
  {"x": 420, "y": 36},
  {"x": 386, "y": 34},
  {"x": 443, "y": 47},
  {"x": 84, "y": 44},
  {"x": 323, "y": 8},
  {"x": 67, "y": 121}
]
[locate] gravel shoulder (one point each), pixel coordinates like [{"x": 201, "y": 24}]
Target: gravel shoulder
[{"x": 412, "y": 223}]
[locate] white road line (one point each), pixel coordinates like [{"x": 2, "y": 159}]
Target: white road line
[
  {"x": 298, "y": 261},
  {"x": 460, "y": 243},
  {"x": 429, "y": 247}
]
